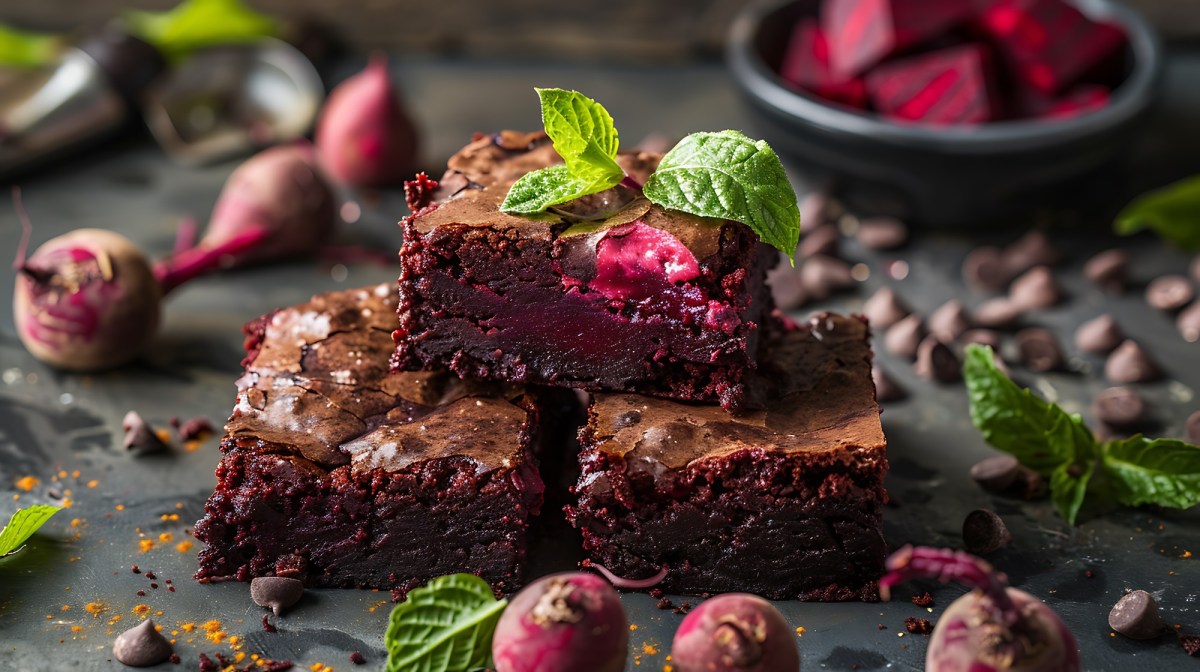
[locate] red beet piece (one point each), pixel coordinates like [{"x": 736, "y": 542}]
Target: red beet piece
[
  {"x": 948, "y": 86},
  {"x": 806, "y": 66},
  {"x": 1080, "y": 100},
  {"x": 862, "y": 33},
  {"x": 1049, "y": 43}
]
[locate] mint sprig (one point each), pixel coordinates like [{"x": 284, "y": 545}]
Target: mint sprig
[
  {"x": 444, "y": 626},
  {"x": 1058, "y": 445},
  {"x": 22, "y": 525},
  {"x": 26, "y": 49},
  {"x": 1172, "y": 211},
  {"x": 196, "y": 24}
]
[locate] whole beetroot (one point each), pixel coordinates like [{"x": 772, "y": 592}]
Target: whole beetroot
[
  {"x": 735, "y": 632},
  {"x": 991, "y": 628},
  {"x": 562, "y": 623},
  {"x": 364, "y": 137}
]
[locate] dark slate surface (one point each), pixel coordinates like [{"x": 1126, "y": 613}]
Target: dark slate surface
[{"x": 53, "y": 424}]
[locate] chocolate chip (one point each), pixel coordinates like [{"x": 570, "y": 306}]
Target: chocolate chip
[
  {"x": 985, "y": 532},
  {"x": 881, "y": 233},
  {"x": 1188, "y": 323},
  {"x": 1029, "y": 484},
  {"x": 1036, "y": 289},
  {"x": 823, "y": 240},
  {"x": 1136, "y": 616},
  {"x": 357, "y": 658},
  {"x": 1130, "y": 364},
  {"x": 996, "y": 474},
  {"x": 884, "y": 308},
  {"x": 195, "y": 428},
  {"x": 936, "y": 361},
  {"x": 998, "y": 313},
  {"x": 886, "y": 389},
  {"x": 1191, "y": 429},
  {"x": 822, "y": 275},
  {"x": 904, "y": 337},
  {"x": 949, "y": 321},
  {"x": 1099, "y": 335},
  {"x": 814, "y": 210},
  {"x": 984, "y": 268},
  {"x": 276, "y": 592},
  {"x": 1195, "y": 268},
  {"x": 987, "y": 337},
  {"x": 140, "y": 437},
  {"x": 786, "y": 288},
  {"x": 1109, "y": 270},
  {"x": 141, "y": 646},
  {"x": 1039, "y": 349},
  {"x": 1119, "y": 408},
  {"x": 1169, "y": 293},
  {"x": 1032, "y": 249}
]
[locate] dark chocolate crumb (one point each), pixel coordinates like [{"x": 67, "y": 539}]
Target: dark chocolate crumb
[
  {"x": 665, "y": 603},
  {"x": 175, "y": 659},
  {"x": 881, "y": 626},
  {"x": 207, "y": 664},
  {"x": 141, "y": 593},
  {"x": 171, "y": 588},
  {"x": 683, "y": 608},
  {"x": 918, "y": 626},
  {"x": 925, "y": 600},
  {"x": 139, "y": 436},
  {"x": 357, "y": 658},
  {"x": 135, "y": 569},
  {"x": 1190, "y": 644},
  {"x": 154, "y": 586},
  {"x": 656, "y": 593},
  {"x": 266, "y": 625},
  {"x": 151, "y": 576},
  {"x": 195, "y": 428},
  {"x": 168, "y": 582}
]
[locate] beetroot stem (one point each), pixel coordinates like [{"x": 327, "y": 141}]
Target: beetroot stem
[
  {"x": 945, "y": 565},
  {"x": 26, "y": 228},
  {"x": 185, "y": 236},
  {"x": 179, "y": 268}
]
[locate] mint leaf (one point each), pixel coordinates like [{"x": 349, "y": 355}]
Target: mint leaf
[
  {"x": 444, "y": 626},
  {"x": 1165, "y": 472},
  {"x": 1069, "y": 480},
  {"x": 730, "y": 176},
  {"x": 24, "y": 49},
  {"x": 22, "y": 525},
  {"x": 540, "y": 189},
  {"x": 1173, "y": 212},
  {"x": 195, "y": 24}
]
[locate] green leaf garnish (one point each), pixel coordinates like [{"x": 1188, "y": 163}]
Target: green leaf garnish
[
  {"x": 444, "y": 626},
  {"x": 25, "y": 49},
  {"x": 1058, "y": 445},
  {"x": 22, "y": 525},
  {"x": 730, "y": 176},
  {"x": 584, "y": 136},
  {"x": 1173, "y": 212},
  {"x": 195, "y": 24}
]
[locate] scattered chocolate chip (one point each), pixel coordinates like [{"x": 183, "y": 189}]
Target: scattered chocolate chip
[
  {"x": 918, "y": 626},
  {"x": 786, "y": 287},
  {"x": 1195, "y": 268},
  {"x": 1099, "y": 335},
  {"x": 884, "y": 308},
  {"x": 141, "y": 646},
  {"x": 985, "y": 532},
  {"x": 276, "y": 592},
  {"x": 823, "y": 275},
  {"x": 665, "y": 604},
  {"x": 1036, "y": 289},
  {"x": 904, "y": 337},
  {"x": 1169, "y": 293},
  {"x": 936, "y": 361},
  {"x": 175, "y": 659},
  {"x": 1109, "y": 270},
  {"x": 996, "y": 474},
  {"x": 1189, "y": 323},
  {"x": 949, "y": 321},
  {"x": 139, "y": 437},
  {"x": 1030, "y": 485},
  {"x": 683, "y": 608},
  {"x": 1130, "y": 364},
  {"x": 886, "y": 389},
  {"x": 195, "y": 428},
  {"x": 814, "y": 210},
  {"x": 984, "y": 268},
  {"x": 267, "y": 626},
  {"x": 151, "y": 575},
  {"x": 998, "y": 313},
  {"x": 1191, "y": 429},
  {"x": 987, "y": 337},
  {"x": 1119, "y": 408},
  {"x": 925, "y": 600},
  {"x": 881, "y": 233},
  {"x": 135, "y": 569},
  {"x": 141, "y": 593},
  {"x": 1039, "y": 349},
  {"x": 823, "y": 240},
  {"x": 1136, "y": 616},
  {"x": 357, "y": 658},
  {"x": 881, "y": 626},
  {"x": 1190, "y": 644},
  {"x": 1032, "y": 249}
]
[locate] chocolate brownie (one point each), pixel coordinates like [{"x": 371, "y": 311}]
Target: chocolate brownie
[
  {"x": 784, "y": 499},
  {"x": 335, "y": 470},
  {"x": 609, "y": 292}
]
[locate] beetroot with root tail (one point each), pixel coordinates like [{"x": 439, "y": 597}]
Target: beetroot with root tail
[
  {"x": 993, "y": 627},
  {"x": 365, "y": 138},
  {"x": 274, "y": 206},
  {"x": 562, "y": 623},
  {"x": 735, "y": 632}
]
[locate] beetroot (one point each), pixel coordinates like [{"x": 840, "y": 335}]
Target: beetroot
[
  {"x": 274, "y": 206},
  {"x": 993, "y": 627},
  {"x": 948, "y": 86},
  {"x": 1049, "y": 44},
  {"x": 1079, "y": 100},
  {"x": 736, "y": 632},
  {"x": 862, "y": 33},
  {"x": 364, "y": 137},
  {"x": 806, "y": 66},
  {"x": 562, "y": 623}
]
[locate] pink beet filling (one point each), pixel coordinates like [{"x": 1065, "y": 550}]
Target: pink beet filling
[
  {"x": 636, "y": 261},
  {"x": 69, "y": 315}
]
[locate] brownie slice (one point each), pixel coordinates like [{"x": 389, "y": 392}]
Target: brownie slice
[
  {"x": 338, "y": 471},
  {"x": 608, "y": 292},
  {"x": 784, "y": 499}
]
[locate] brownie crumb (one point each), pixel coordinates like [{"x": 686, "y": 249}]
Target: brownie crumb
[
  {"x": 657, "y": 593},
  {"x": 154, "y": 586},
  {"x": 135, "y": 569},
  {"x": 881, "y": 626},
  {"x": 151, "y": 576},
  {"x": 171, "y": 588},
  {"x": 665, "y": 603},
  {"x": 918, "y": 626},
  {"x": 195, "y": 428},
  {"x": 1190, "y": 644},
  {"x": 925, "y": 600},
  {"x": 207, "y": 664},
  {"x": 175, "y": 659},
  {"x": 266, "y": 625},
  {"x": 683, "y": 608},
  {"x": 357, "y": 658},
  {"x": 141, "y": 593}
]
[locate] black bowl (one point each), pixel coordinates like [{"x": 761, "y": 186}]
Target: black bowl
[{"x": 937, "y": 175}]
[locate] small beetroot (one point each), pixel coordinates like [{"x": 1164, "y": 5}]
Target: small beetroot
[
  {"x": 561, "y": 623},
  {"x": 806, "y": 65},
  {"x": 364, "y": 137},
  {"x": 863, "y": 32},
  {"x": 947, "y": 86},
  {"x": 735, "y": 632},
  {"x": 994, "y": 627}
]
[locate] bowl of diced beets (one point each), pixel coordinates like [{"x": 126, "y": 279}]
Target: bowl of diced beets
[{"x": 947, "y": 112}]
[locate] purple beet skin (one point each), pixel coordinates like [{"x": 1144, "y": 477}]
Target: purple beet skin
[
  {"x": 736, "y": 632},
  {"x": 562, "y": 623}
]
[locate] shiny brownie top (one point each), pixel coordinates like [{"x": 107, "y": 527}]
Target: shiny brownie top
[
  {"x": 317, "y": 384},
  {"x": 812, "y": 393}
]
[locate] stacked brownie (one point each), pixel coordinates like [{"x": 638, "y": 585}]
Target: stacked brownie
[{"x": 725, "y": 448}]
